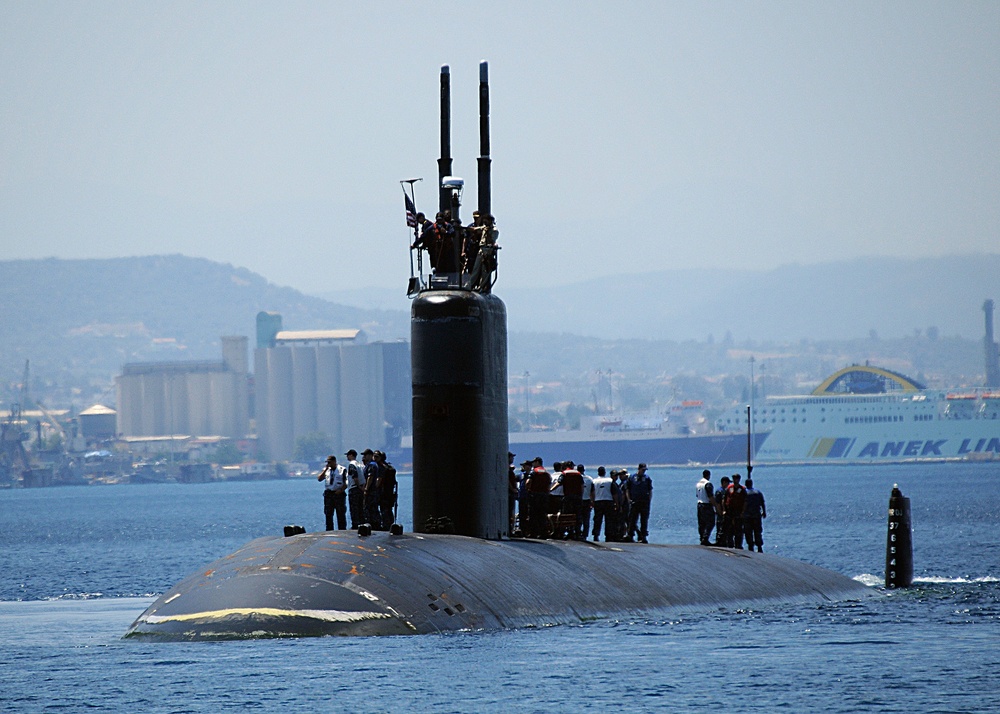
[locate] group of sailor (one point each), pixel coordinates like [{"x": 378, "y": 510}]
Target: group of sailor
[
  {"x": 369, "y": 488},
  {"x": 454, "y": 249},
  {"x": 555, "y": 504},
  {"x": 734, "y": 511},
  {"x": 559, "y": 504}
]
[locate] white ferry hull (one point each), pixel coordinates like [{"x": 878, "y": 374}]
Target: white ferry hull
[
  {"x": 868, "y": 414},
  {"x": 901, "y": 442}
]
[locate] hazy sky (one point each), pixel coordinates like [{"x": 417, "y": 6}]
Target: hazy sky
[{"x": 626, "y": 136}]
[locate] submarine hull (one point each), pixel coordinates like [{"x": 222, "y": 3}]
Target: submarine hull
[{"x": 335, "y": 583}]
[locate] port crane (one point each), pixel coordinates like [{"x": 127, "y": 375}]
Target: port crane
[{"x": 14, "y": 460}]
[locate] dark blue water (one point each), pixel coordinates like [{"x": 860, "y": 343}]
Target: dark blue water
[{"x": 79, "y": 564}]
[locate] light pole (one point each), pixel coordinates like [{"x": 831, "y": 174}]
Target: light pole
[
  {"x": 750, "y": 413},
  {"x": 527, "y": 402}
]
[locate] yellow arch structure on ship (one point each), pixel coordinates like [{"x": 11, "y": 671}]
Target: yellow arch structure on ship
[{"x": 904, "y": 384}]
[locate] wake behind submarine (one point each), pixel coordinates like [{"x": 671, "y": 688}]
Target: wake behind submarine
[{"x": 460, "y": 569}]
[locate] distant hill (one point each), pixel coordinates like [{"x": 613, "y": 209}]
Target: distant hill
[
  {"x": 830, "y": 301},
  {"x": 80, "y": 320},
  {"x": 836, "y": 300}
]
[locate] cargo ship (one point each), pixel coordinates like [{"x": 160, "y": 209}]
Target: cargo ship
[
  {"x": 865, "y": 413},
  {"x": 682, "y": 436}
]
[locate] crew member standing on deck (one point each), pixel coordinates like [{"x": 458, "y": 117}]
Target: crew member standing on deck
[
  {"x": 556, "y": 489},
  {"x": 572, "y": 502},
  {"x": 735, "y": 499},
  {"x": 355, "y": 489},
  {"x": 334, "y": 477},
  {"x": 754, "y": 511},
  {"x": 523, "y": 500},
  {"x": 604, "y": 506},
  {"x": 623, "y": 504},
  {"x": 588, "y": 501},
  {"x": 720, "y": 512},
  {"x": 511, "y": 491},
  {"x": 705, "y": 493},
  {"x": 640, "y": 491},
  {"x": 387, "y": 488},
  {"x": 539, "y": 483},
  {"x": 372, "y": 516}
]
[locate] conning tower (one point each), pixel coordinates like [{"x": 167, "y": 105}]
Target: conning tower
[{"x": 458, "y": 338}]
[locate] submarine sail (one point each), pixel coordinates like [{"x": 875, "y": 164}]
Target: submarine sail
[{"x": 458, "y": 357}]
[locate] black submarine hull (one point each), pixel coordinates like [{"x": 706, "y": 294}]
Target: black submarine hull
[{"x": 336, "y": 583}]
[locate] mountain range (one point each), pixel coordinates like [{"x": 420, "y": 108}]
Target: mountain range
[
  {"x": 834, "y": 300},
  {"x": 78, "y": 321}
]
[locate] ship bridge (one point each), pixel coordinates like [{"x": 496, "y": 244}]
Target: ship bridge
[{"x": 865, "y": 379}]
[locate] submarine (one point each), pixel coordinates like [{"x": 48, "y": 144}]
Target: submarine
[{"x": 460, "y": 569}]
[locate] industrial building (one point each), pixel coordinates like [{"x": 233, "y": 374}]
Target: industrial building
[
  {"x": 98, "y": 423},
  {"x": 328, "y": 381},
  {"x": 332, "y": 382},
  {"x": 189, "y": 397}
]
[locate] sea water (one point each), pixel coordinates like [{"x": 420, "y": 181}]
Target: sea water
[{"x": 79, "y": 564}]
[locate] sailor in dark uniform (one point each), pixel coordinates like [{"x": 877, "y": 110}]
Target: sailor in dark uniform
[
  {"x": 355, "y": 489},
  {"x": 539, "y": 483},
  {"x": 372, "y": 515},
  {"x": 640, "y": 490},
  {"x": 387, "y": 487},
  {"x": 511, "y": 491},
  {"x": 622, "y": 503},
  {"x": 735, "y": 500},
  {"x": 754, "y": 511},
  {"x": 720, "y": 512}
]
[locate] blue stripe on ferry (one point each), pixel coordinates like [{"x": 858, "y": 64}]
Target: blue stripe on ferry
[
  {"x": 831, "y": 448},
  {"x": 840, "y": 448}
]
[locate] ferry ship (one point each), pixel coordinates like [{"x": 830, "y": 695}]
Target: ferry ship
[
  {"x": 683, "y": 436},
  {"x": 869, "y": 414}
]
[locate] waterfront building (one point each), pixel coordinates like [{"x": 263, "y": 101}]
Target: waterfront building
[
  {"x": 197, "y": 398},
  {"x": 331, "y": 382}
]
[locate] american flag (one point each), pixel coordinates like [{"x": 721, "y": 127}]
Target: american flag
[{"x": 411, "y": 212}]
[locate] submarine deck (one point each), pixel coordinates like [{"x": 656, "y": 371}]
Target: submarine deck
[{"x": 337, "y": 583}]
